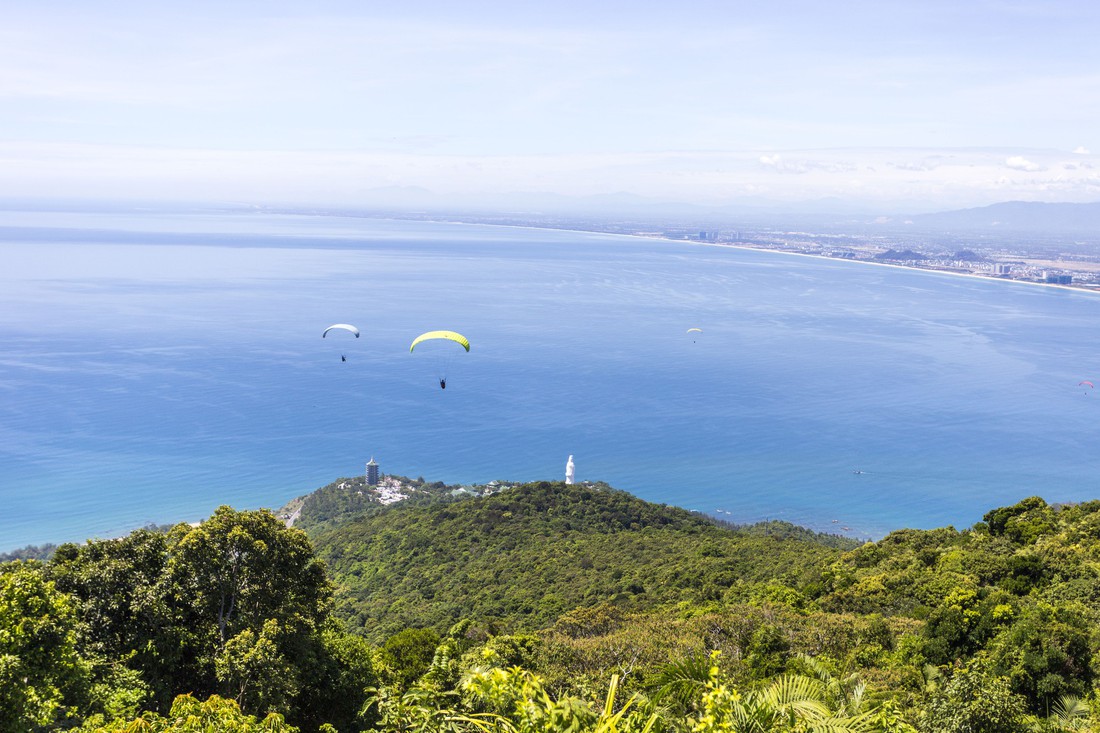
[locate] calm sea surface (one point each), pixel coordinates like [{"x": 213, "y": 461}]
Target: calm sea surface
[{"x": 153, "y": 367}]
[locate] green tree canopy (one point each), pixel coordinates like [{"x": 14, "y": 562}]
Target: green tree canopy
[{"x": 41, "y": 675}]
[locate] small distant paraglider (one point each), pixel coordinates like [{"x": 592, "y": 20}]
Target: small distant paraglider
[
  {"x": 445, "y": 356},
  {"x": 1086, "y": 384},
  {"x": 694, "y": 330},
  {"x": 341, "y": 327}
]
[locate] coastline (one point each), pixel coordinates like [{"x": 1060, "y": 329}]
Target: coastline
[
  {"x": 1094, "y": 289},
  {"x": 929, "y": 270}
]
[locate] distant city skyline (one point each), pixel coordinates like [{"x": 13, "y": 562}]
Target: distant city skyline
[{"x": 924, "y": 106}]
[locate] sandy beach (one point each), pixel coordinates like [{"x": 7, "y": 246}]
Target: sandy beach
[{"x": 937, "y": 271}]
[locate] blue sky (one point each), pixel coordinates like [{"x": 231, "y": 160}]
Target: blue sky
[{"x": 918, "y": 104}]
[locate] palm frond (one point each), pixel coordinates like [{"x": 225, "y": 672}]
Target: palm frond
[
  {"x": 855, "y": 724},
  {"x": 610, "y": 721},
  {"x": 683, "y": 680},
  {"x": 801, "y": 695},
  {"x": 1068, "y": 709}
]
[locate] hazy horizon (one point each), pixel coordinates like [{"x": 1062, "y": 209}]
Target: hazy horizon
[{"x": 887, "y": 106}]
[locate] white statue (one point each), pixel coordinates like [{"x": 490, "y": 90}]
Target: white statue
[{"x": 569, "y": 471}]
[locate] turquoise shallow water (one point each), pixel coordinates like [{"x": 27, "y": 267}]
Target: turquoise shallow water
[{"x": 155, "y": 366}]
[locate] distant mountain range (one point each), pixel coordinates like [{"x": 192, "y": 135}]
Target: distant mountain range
[
  {"x": 1011, "y": 217},
  {"x": 1014, "y": 216}
]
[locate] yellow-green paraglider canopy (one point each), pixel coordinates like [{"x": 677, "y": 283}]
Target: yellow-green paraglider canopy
[{"x": 449, "y": 335}]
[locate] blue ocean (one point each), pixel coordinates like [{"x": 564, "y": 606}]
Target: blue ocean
[{"x": 154, "y": 366}]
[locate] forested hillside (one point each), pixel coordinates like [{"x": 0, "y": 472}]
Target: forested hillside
[
  {"x": 1021, "y": 588},
  {"x": 547, "y": 607},
  {"x": 522, "y": 557},
  {"x": 347, "y": 498}
]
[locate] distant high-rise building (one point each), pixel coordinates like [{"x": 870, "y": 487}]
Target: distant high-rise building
[{"x": 372, "y": 472}]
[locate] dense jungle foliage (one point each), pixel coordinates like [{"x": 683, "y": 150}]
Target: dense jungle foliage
[{"x": 548, "y": 607}]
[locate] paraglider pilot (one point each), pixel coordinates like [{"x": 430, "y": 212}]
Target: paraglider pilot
[{"x": 446, "y": 335}]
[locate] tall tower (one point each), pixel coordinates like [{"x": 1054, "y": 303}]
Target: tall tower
[{"x": 372, "y": 472}]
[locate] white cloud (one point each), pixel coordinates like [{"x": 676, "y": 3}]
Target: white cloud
[
  {"x": 950, "y": 178},
  {"x": 776, "y": 162},
  {"x": 920, "y": 166},
  {"x": 1020, "y": 163}
]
